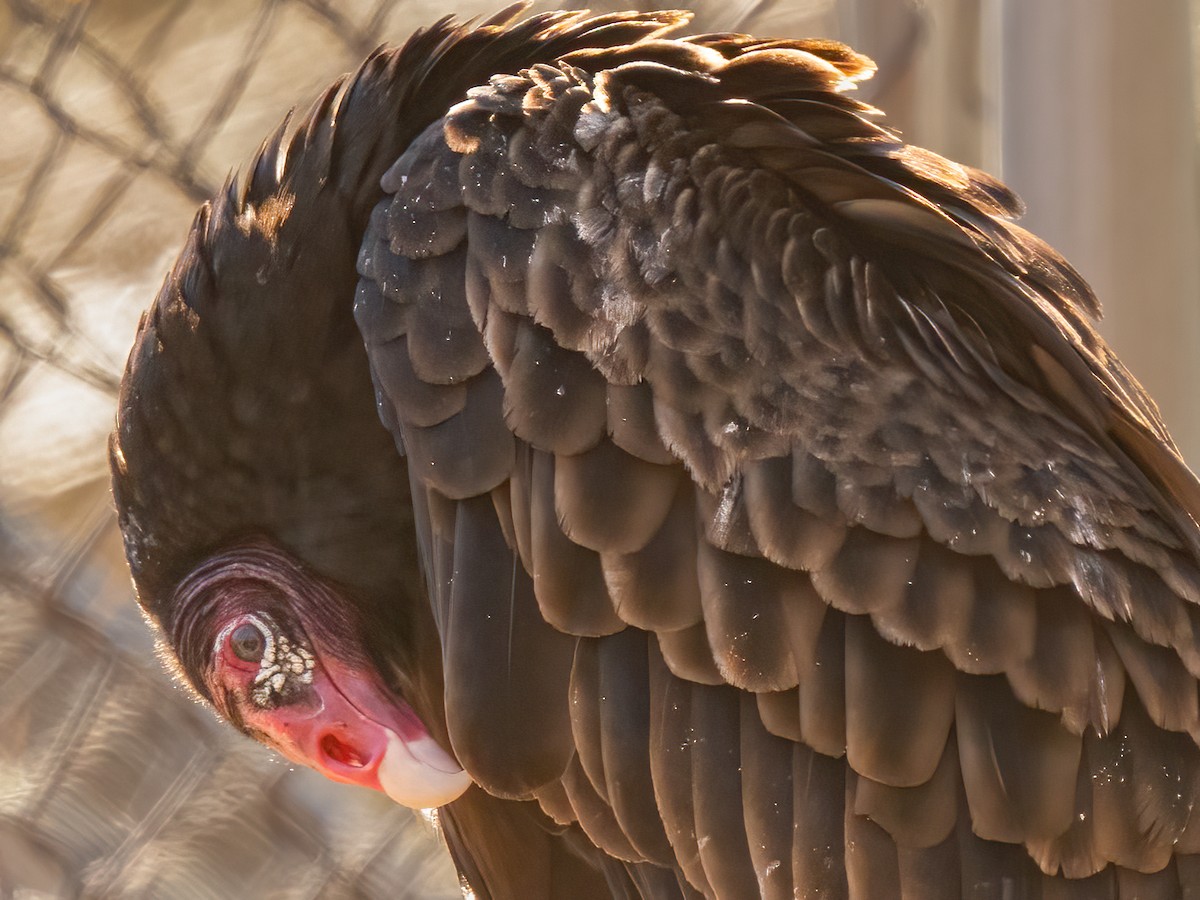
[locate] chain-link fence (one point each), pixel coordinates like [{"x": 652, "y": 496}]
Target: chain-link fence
[{"x": 119, "y": 118}]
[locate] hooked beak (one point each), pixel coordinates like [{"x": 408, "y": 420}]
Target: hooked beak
[{"x": 356, "y": 732}]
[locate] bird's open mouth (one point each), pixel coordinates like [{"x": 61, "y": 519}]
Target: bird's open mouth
[
  {"x": 360, "y": 734},
  {"x": 339, "y": 751}
]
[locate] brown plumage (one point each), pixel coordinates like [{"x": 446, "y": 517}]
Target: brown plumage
[{"x": 755, "y": 509}]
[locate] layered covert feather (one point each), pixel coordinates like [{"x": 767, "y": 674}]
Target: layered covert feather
[{"x": 756, "y": 510}]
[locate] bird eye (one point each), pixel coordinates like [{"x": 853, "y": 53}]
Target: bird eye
[{"x": 247, "y": 642}]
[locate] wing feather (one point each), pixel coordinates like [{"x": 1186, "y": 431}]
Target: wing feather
[
  {"x": 671, "y": 767},
  {"x": 657, "y": 586},
  {"x": 743, "y": 600},
  {"x": 931, "y": 873},
  {"x": 625, "y": 742},
  {"x": 872, "y": 860},
  {"x": 922, "y": 816},
  {"x": 611, "y": 501},
  {"x": 715, "y": 748},
  {"x": 785, "y": 522},
  {"x": 567, "y": 578},
  {"x": 767, "y": 796},
  {"x": 595, "y": 816},
  {"x": 899, "y": 707},
  {"x": 469, "y": 453},
  {"x": 787, "y": 532},
  {"x": 506, "y": 669},
  {"x": 554, "y": 399},
  {"x": 688, "y": 655}
]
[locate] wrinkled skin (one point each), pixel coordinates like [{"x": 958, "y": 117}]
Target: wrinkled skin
[{"x": 280, "y": 674}]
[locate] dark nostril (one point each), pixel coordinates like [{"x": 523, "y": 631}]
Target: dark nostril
[{"x": 340, "y": 751}]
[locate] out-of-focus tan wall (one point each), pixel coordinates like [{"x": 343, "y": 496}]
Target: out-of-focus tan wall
[
  {"x": 1087, "y": 108},
  {"x": 1097, "y": 131},
  {"x": 121, "y": 116}
]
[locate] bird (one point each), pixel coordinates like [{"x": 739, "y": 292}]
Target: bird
[{"x": 626, "y": 444}]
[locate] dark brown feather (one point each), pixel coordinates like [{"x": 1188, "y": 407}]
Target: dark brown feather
[
  {"x": 657, "y": 586},
  {"x": 671, "y": 766},
  {"x": 479, "y": 428},
  {"x": 689, "y": 655},
  {"x": 822, "y": 690},
  {"x": 767, "y": 794},
  {"x": 899, "y": 707},
  {"x": 783, "y": 518},
  {"x": 743, "y": 600},
  {"x": 568, "y": 579},
  {"x": 872, "y": 863},
  {"x": 624, "y": 718},
  {"x": 507, "y": 671},
  {"x": 611, "y": 501},
  {"x": 721, "y": 838},
  {"x": 1013, "y": 795},
  {"x": 554, "y": 399},
  {"x": 919, "y": 817}
]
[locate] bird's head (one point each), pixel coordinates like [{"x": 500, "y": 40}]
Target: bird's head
[
  {"x": 280, "y": 655},
  {"x": 247, "y": 440},
  {"x": 227, "y": 476},
  {"x": 265, "y": 509}
]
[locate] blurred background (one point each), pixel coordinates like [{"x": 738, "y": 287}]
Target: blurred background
[{"x": 119, "y": 117}]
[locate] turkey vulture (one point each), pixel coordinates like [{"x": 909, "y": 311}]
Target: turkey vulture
[{"x": 630, "y": 445}]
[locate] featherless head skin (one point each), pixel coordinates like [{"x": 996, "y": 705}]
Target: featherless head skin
[{"x": 627, "y": 443}]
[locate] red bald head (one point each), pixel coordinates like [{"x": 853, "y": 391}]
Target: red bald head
[{"x": 279, "y": 655}]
